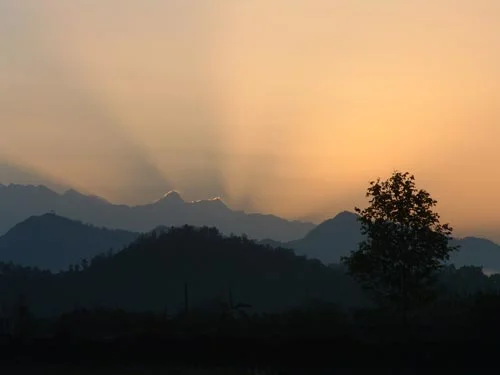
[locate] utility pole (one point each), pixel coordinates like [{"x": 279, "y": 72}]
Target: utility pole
[
  {"x": 231, "y": 302},
  {"x": 186, "y": 298}
]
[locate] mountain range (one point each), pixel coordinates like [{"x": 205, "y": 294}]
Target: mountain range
[
  {"x": 53, "y": 242},
  {"x": 19, "y": 202}
]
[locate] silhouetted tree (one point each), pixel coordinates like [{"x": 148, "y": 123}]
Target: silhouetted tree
[
  {"x": 85, "y": 263},
  {"x": 405, "y": 244}
]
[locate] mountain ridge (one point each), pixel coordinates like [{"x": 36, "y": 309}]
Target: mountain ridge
[
  {"x": 338, "y": 236},
  {"x": 54, "y": 242},
  {"x": 18, "y": 202}
]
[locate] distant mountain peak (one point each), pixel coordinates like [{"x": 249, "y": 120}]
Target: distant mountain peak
[
  {"x": 343, "y": 222},
  {"x": 216, "y": 202},
  {"x": 49, "y": 215},
  {"x": 345, "y": 215},
  {"x": 171, "y": 196},
  {"x": 215, "y": 199},
  {"x": 48, "y": 220}
]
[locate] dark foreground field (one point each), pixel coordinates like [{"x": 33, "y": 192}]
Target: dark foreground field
[
  {"x": 241, "y": 356},
  {"x": 132, "y": 370}
]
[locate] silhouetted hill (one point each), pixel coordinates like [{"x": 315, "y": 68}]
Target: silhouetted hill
[
  {"x": 331, "y": 239},
  {"x": 478, "y": 252},
  {"x": 18, "y": 202},
  {"x": 151, "y": 274},
  {"x": 53, "y": 242},
  {"x": 338, "y": 236}
]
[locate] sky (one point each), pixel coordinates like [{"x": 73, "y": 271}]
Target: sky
[{"x": 287, "y": 107}]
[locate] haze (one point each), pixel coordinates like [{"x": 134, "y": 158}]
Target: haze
[{"x": 281, "y": 106}]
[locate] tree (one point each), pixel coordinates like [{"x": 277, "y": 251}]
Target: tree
[{"x": 404, "y": 245}]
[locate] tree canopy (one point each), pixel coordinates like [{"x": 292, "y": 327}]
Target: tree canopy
[{"x": 405, "y": 244}]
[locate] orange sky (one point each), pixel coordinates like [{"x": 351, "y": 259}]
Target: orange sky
[{"x": 281, "y": 106}]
